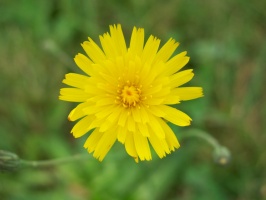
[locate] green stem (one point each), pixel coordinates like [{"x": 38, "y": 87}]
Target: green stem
[
  {"x": 10, "y": 161},
  {"x": 53, "y": 162},
  {"x": 221, "y": 154},
  {"x": 203, "y": 135}
]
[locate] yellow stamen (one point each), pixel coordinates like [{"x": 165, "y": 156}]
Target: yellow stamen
[{"x": 130, "y": 95}]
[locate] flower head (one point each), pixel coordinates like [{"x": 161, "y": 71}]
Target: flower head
[{"x": 127, "y": 94}]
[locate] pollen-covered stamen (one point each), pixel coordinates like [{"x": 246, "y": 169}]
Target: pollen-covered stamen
[{"x": 130, "y": 96}]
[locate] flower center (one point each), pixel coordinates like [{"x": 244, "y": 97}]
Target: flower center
[{"x": 130, "y": 96}]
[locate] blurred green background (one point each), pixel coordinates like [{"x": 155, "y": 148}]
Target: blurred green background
[{"x": 226, "y": 43}]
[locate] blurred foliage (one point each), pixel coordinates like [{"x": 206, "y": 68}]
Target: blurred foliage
[{"x": 227, "y": 44}]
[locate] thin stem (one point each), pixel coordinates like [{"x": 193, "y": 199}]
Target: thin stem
[
  {"x": 10, "y": 161},
  {"x": 53, "y": 162},
  {"x": 192, "y": 132},
  {"x": 221, "y": 154}
]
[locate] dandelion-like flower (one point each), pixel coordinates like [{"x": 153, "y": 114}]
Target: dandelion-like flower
[{"x": 127, "y": 94}]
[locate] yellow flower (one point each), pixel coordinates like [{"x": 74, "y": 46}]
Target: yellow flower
[{"x": 127, "y": 93}]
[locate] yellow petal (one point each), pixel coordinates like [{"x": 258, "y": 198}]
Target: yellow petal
[
  {"x": 73, "y": 94},
  {"x": 92, "y": 90},
  {"x": 105, "y": 111},
  {"x": 176, "y": 63},
  {"x": 104, "y": 101},
  {"x": 131, "y": 71},
  {"x": 78, "y": 112},
  {"x": 91, "y": 109},
  {"x": 171, "y": 99},
  {"x": 160, "y": 145},
  {"x": 156, "y": 127},
  {"x": 84, "y": 63},
  {"x": 93, "y": 51},
  {"x": 130, "y": 146},
  {"x": 93, "y": 140},
  {"x": 181, "y": 78},
  {"x": 105, "y": 75},
  {"x": 137, "y": 41},
  {"x": 106, "y": 125},
  {"x": 143, "y": 129},
  {"x": 144, "y": 115},
  {"x": 108, "y": 46},
  {"x": 150, "y": 49},
  {"x": 188, "y": 93},
  {"x": 152, "y": 89},
  {"x": 122, "y": 133},
  {"x": 154, "y": 101},
  {"x": 157, "y": 111},
  {"x": 96, "y": 123},
  {"x": 82, "y": 126},
  {"x": 131, "y": 126},
  {"x": 170, "y": 136},
  {"x": 123, "y": 118},
  {"x": 113, "y": 117},
  {"x": 167, "y": 50},
  {"x": 118, "y": 38},
  {"x": 136, "y": 114},
  {"x": 76, "y": 80},
  {"x": 104, "y": 145},
  {"x": 175, "y": 116},
  {"x": 142, "y": 146},
  {"x": 145, "y": 72}
]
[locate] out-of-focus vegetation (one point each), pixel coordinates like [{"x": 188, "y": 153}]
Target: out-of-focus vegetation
[{"x": 227, "y": 45}]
